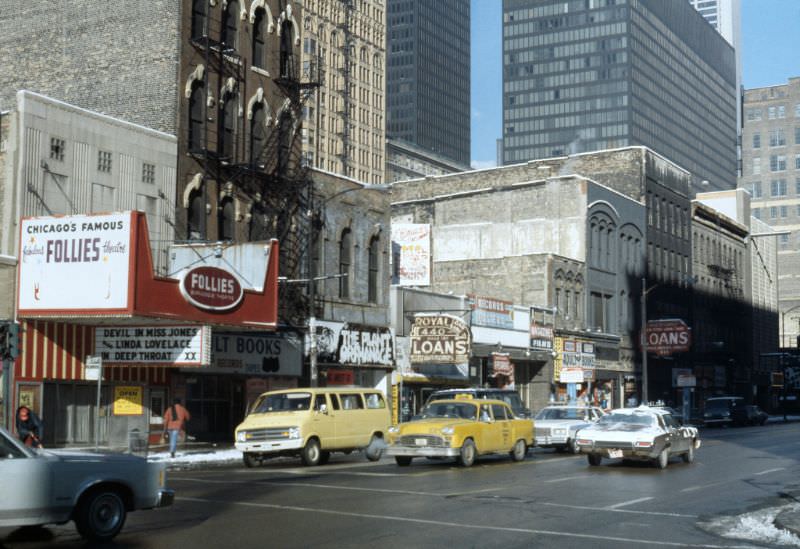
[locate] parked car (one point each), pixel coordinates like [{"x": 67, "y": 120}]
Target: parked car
[
  {"x": 749, "y": 414},
  {"x": 312, "y": 423},
  {"x": 94, "y": 490},
  {"x": 509, "y": 396},
  {"x": 720, "y": 410},
  {"x": 643, "y": 433},
  {"x": 462, "y": 428},
  {"x": 557, "y": 424}
]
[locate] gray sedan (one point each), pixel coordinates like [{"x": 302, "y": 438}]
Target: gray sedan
[{"x": 94, "y": 490}]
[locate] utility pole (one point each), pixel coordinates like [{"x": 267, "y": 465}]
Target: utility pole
[{"x": 644, "y": 341}]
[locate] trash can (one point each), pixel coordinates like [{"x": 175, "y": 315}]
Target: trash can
[{"x": 137, "y": 442}]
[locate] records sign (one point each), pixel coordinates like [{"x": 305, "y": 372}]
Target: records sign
[{"x": 440, "y": 339}]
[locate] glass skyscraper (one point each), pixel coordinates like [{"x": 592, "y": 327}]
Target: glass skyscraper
[
  {"x": 428, "y": 75},
  {"x": 585, "y": 75}
]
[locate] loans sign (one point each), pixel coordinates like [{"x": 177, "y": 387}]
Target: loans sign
[
  {"x": 440, "y": 339},
  {"x": 74, "y": 262},
  {"x": 164, "y": 345},
  {"x": 665, "y": 337}
]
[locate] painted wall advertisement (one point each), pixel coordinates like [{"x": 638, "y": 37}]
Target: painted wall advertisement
[
  {"x": 170, "y": 345},
  {"x": 74, "y": 262},
  {"x": 492, "y": 313},
  {"x": 256, "y": 354},
  {"x": 128, "y": 400},
  {"x": 411, "y": 254},
  {"x": 355, "y": 344},
  {"x": 542, "y": 332}
]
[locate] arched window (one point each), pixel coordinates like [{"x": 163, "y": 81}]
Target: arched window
[
  {"x": 197, "y": 117},
  {"x": 230, "y": 24},
  {"x": 258, "y": 133},
  {"x": 195, "y": 216},
  {"x": 227, "y": 125},
  {"x": 260, "y": 39},
  {"x": 226, "y": 219},
  {"x": 372, "y": 280},
  {"x": 199, "y": 17},
  {"x": 287, "y": 52},
  {"x": 259, "y": 225},
  {"x": 345, "y": 261}
]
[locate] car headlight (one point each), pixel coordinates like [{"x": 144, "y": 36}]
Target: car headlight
[
  {"x": 394, "y": 429},
  {"x": 241, "y": 436},
  {"x": 294, "y": 432},
  {"x": 448, "y": 431}
]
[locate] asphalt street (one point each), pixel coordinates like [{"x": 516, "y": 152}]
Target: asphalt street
[{"x": 548, "y": 500}]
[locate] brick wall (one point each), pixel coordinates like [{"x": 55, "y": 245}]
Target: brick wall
[{"x": 118, "y": 58}]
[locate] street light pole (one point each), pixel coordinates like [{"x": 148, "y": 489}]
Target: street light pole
[{"x": 644, "y": 341}]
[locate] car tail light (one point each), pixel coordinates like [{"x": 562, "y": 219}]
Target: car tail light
[
  {"x": 584, "y": 442},
  {"x": 644, "y": 444}
]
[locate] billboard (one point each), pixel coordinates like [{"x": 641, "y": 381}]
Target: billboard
[
  {"x": 665, "y": 337},
  {"x": 492, "y": 313},
  {"x": 411, "y": 254},
  {"x": 75, "y": 262}
]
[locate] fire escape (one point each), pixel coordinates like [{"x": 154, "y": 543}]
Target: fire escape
[
  {"x": 269, "y": 172},
  {"x": 346, "y": 70}
]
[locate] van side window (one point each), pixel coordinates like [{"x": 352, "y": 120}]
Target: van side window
[
  {"x": 319, "y": 401},
  {"x": 375, "y": 401},
  {"x": 335, "y": 402},
  {"x": 351, "y": 401}
]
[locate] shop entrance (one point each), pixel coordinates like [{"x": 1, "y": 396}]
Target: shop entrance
[{"x": 217, "y": 405}]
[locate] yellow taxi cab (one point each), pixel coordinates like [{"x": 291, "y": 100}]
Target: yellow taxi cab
[{"x": 463, "y": 428}]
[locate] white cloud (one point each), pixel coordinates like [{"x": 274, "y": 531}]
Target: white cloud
[{"x": 483, "y": 164}]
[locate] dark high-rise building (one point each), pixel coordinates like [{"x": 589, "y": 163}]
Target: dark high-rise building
[
  {"x": 427, "y": 77},
  {"x": 585, "y": 75}
]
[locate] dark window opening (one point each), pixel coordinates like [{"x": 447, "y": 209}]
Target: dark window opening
[
  {"x": 287, "y": 55},
  {"x": 372, "y": 282},
  {"x": 196, "y": 216},
  {"x": 199, "y": 18},
  {"x": 230, "y": 24},
  {"x": 226, "y": 220},
  {"x": 197, "y": 111},
  {"x": 345, "y": 245},
  {"x": 228, "y": 123},
  {"x": 258, "y": 133},
  {"x": 259, "y": 39}
]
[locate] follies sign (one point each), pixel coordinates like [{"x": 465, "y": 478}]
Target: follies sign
[
  {"x": 211, "y": 288},
  {"x": 440, "y": 339}
]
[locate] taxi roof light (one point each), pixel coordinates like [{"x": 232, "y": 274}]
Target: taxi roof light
[{"x": 464, "y": 397}]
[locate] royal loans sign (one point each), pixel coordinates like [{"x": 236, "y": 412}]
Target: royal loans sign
[{"x": 440, "y": 339}]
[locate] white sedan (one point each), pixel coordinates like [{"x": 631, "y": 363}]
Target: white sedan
[
  {"x": 643, "y": 433},
  {"x": 95, "y": 490}
]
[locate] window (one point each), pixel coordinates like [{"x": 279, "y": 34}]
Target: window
[
  {"x": 755, "y": 189},
  {"x": 784, "y": 239},
  {"x": 228, "y": 122},
  {"x": 756, "y": 140},
  {"x": 259, "y": 39},
  {"x": 226, "y": 219},
  {"x": 499, "y": 412},
  {"x": 148, "y": 173},
  {"x": 771, "y": 113},
  {"x": 773, "y": 212},
  {"x": 757, "y": 213},
  {"x": 230, "y": 24},
  {"x": 104, "y": 161},
  {"x": 797, "y": 135},
  {"x": 196, "y": 216},
  {"x": 778, "y": 187},
  {"x": 372, "y": 282},
  {"x": 781, "y": 111},
  {"x": 784, "y": 211},
  {"x": 756, "y": 166},
  {"x": 351, "y": 402},
  {"x": 197, "y": 116},
  {"x": 57, "y": 148},
  {"x": 797, "y": 162},
  {"x": 777, "y": 138},
  {"x": 286, "y": 53},
  {"x": 797, "y": 110},
  {"x": 777, "y": 163},
  {"x": 345, "y": 245},
  {"x": 199, "y": 18},
  {"x": 375, "y": 401},
  {"x": 258, "y": 133}
]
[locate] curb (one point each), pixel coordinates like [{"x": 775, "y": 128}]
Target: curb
[{"x": 789, "y": 521}]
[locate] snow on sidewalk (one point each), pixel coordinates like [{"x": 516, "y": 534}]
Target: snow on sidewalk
[{"x": 211, "y": 456}]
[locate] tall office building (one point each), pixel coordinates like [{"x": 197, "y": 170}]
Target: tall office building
[
  {"x": 344, "y": 129},
  {"x": 771, "y": 172},
  {"x": 582, "y": 76},
  {"x": 428, "y": 76},
  {"x": 726, "y": 17}
]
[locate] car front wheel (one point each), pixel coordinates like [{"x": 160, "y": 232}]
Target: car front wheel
[
  {"x": 100, "y": 515},
  {"x": 311, "y": 453},
  {"x": 467, "y": 456},
  {"x": 250, "y": 460},
  {"x": 663, "y": 459},
  {"x": 688, "y": 457}
]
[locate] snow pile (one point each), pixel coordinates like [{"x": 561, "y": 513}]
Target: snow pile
[
  {"x": 227, "y": 455},
  {"x": 756, "y": 526}
]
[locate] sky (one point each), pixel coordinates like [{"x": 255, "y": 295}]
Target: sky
[{"x": 770, "y": 55}]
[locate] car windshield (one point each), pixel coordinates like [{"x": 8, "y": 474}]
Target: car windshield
[
  {"x": 449, "y": 410},
  {"x": 282, "y": 402},
  {"x": 631, "y": 418},
  {"x": 562, "y": 413},
  {"x": 722, "y": 405}
]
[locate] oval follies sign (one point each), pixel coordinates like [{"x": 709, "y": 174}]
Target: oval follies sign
[{"x": 211, "y": 288}]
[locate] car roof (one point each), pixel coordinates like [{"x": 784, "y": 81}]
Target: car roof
[
  {"x": 642, "y": 410},
  {"x": 472, "y": 390},
  {"x": 469, "y": 401}
]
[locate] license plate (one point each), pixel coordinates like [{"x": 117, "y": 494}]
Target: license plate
[
  {"x": 615, "y": 454},
  {"x": 421, "y": 441}
]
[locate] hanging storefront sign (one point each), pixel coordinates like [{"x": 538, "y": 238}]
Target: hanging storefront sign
[
  {"x": 75, "y": 262},
  {"x": 577, "y": 354},
  {"x": 665, "y": 337},
  {"x": 411, "y": 254},
  {"x": 542, "y": 332},
  {"x": 440, "y": 339},
  {"x": 492, "y": 313},
  {"x": 355, "y": 344},
  {"x": 211, "y": 288},
  {"x": 571, "y": 375},
  {"x": 340, "y": 377},
  {"x": 255, "y": 354},
  {"x": 166, "y": 345},
  {"x": 128, "y": 400}
]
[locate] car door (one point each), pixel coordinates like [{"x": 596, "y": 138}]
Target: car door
[
  {"x": 26, "y": 493},
  {"x": 323, "y": 421},
  {"x": 678, "y": 441},
  {"x": 502, "y": 424}
]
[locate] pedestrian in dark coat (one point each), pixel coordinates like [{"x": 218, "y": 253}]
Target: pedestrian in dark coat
[{"x": 29, "y": 427}]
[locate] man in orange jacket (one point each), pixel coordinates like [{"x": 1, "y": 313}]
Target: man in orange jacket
[{"x": 175, "y": 419}]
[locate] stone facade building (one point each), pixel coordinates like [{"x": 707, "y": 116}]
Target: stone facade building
[
  {"x": 771, "y": 172},
  {"x": 406, "y": 161},
  {"x": 344, "y": 124}
]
